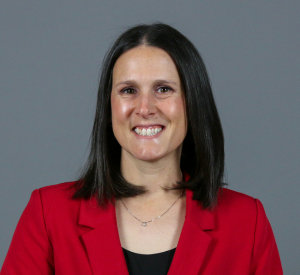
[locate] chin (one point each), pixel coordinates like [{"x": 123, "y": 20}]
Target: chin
[{"x": 148, "y": 156}]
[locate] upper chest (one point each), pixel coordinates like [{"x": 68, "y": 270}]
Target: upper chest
[{"x": 157, "y": 236}]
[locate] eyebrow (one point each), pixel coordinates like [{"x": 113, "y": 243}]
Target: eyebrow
[{"x": 133, "y": 82}]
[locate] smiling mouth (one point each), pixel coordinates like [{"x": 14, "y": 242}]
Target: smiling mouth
[{"x": 149, "y": 131}]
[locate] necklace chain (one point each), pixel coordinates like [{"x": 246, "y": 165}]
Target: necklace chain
[{"x": 145, "y": 223}]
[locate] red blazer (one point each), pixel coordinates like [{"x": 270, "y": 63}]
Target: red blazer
[{"x": 58, "y": 235}]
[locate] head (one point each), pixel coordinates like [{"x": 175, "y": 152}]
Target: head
[{"x": 202, "y": 146}]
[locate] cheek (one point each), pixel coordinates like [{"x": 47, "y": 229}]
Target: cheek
[
  {"x": 117, "y": 119},
  {"x": 180, "y": 121},
  {"x": 177, "y": 111},
  {"x": 120, "y": 109}
]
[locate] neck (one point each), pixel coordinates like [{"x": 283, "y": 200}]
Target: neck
[{"x": 153, "y": 175}]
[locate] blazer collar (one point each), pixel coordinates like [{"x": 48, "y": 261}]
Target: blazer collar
[
  {"x": 104, "y": 249},
  {"x": 91, "y": 216}
]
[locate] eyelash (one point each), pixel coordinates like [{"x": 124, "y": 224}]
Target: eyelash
[{"x": 161, "y": 87}]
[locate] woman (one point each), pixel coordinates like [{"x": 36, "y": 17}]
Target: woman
[{"x": 150, "y": 200}]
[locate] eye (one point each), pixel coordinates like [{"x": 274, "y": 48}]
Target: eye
[
  {"x": 128, "y": 91},
  {"x": 164, "y": 89}
]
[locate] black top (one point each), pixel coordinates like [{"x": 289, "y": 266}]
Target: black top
[{"x": 148, "y": 264}]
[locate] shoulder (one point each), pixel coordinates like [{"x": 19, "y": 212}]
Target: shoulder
[
  {"x": 55, "y": 197},
  {"x": 60, "y": 190},
  {"x": 238, "y": 207},
  {"x": 229, "y": 198}
]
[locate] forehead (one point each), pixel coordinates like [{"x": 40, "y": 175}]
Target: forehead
[{"x": 145, "y": 62}]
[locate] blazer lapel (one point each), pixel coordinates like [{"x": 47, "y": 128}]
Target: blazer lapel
[
  {"x": 104, "y": 250},
  {"x": 102, "y": 242},
  {"x": 194, "y": 241}
]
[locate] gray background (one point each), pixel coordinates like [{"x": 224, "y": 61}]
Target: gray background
[{"x": 51, "y": 52}]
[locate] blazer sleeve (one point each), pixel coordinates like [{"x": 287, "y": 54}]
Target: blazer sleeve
[
  {"x": 30, "y": 251},
  {"x": 265, "y": 258}
]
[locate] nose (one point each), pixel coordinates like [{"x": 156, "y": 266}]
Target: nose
[{"x": 146, "y": 105}]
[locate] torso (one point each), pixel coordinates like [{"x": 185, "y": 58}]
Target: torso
[{"x": 158, "y": 236}]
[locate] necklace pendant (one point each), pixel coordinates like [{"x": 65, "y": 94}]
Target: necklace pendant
[{"x": 144, "y": 224}]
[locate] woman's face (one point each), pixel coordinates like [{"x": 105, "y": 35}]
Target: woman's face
[{"x": 148, "y": 106}]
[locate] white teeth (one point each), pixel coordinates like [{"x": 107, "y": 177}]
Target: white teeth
[{"x": 147, "y": 132}]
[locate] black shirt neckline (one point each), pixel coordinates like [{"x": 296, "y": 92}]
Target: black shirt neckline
[{"x": 167, "y": 251}]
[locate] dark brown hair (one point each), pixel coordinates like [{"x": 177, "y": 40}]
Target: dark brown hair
[{"x": 203, "y": 147}]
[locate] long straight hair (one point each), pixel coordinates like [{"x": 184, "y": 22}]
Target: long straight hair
[{"x": 203, "y": 147}]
